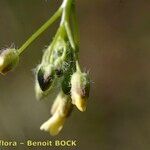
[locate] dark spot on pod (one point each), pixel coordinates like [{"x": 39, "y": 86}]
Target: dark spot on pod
[
  {"x": 85, "y": 88},
  {"x": 10, "y": 59},
  {"x": 45, "y": 81},
  {"x": 59, "y": 72},
  {"x": 84, "y": 92},
  {"x": 6, "y": 69}
]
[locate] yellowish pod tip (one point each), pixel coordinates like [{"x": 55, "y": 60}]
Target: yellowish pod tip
[
  {"x": 80, "y": 103},
  {"x": 81, "y": 106}
]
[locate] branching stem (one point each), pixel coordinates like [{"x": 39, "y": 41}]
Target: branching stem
[{"x": 41, "y": 30}]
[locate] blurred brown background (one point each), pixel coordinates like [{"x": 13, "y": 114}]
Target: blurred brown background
[{"x": 115, "y": 47}]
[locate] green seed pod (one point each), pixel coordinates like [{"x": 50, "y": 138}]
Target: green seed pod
[
  {"x": 69, "y": 69},
  {"x": 38, "y": 91},
  {"x": 80, "y": 87},
  {"x": 9, "y": 58},
  {"x": 66, "y": 83},
  {"x": 45, "y": 76}
]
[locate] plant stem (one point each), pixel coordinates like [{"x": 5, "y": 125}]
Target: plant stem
[
  {"x": 65, "y": 10},
  {"x": 70, "y": 36},
  {"x": 67, "y": 6},
  {"x": 64, "y": 26},
  {"x": 75, "y": 26},
  {"x": 59, "y": 32},
  {"x": 69, "y": 10},
  {"x": 41, "y": 30},
  {"x": 78, "y": 68}
]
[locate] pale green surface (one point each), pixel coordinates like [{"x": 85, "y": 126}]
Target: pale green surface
[{"x": 115, "y": 47}]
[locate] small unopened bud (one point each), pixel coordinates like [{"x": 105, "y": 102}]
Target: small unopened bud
[
  {"x": 80, "y": 87},
  {"x": 45, "y": 76},
  {"x": 9, "y": 58}
]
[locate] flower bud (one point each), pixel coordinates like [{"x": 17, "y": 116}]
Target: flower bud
[
  {"x": 62, "y": 104},
  {"x": 56, "y": 103},
  {"x": 45, "y": 76},
  {"x": 61, "y": 109},
  {"x": 80, "y": 87},
  {"x": 54, "y": 124},
  {"x": 9, "y": 58}
]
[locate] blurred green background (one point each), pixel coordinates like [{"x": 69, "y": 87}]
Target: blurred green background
[{"x": 115, "y": 47}]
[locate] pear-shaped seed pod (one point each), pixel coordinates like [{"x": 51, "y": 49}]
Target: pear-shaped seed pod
[
  {"x": 45, "y": 77},
  {"x": 9, "y": 58},
  {"x": 80, "y": 87}
]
